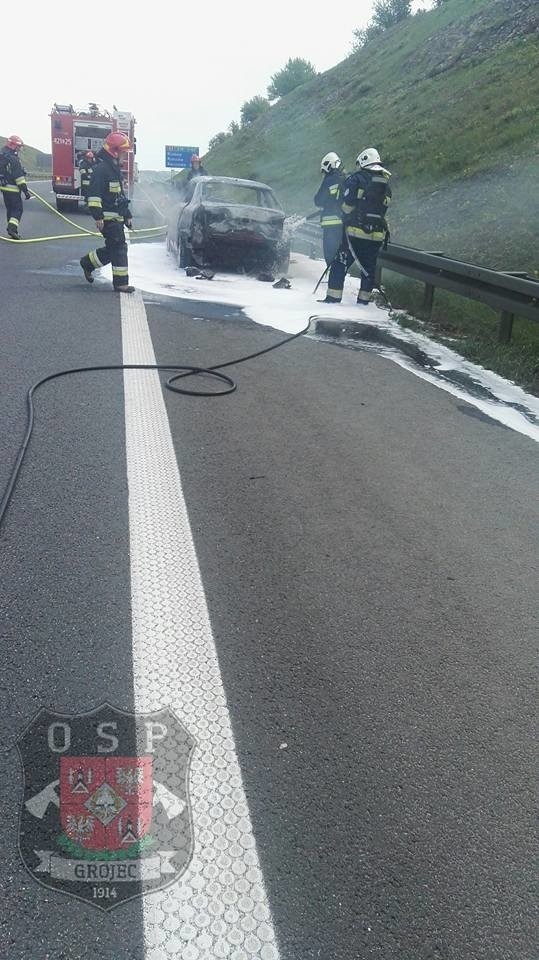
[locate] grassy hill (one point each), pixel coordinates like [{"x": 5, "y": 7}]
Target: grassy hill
[
  {"x": 35, "y": 162},
  {"x": 451, "y": 100}
]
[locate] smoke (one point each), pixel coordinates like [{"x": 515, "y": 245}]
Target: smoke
[{"x": 490, "y": 218}]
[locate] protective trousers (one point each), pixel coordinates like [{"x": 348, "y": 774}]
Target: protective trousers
[
  {"x": 13, "y": 202},
  {"x": 366, "y": 252},
  {"x": 114, "y": 251},
  {"x": 332, "y": 239}
]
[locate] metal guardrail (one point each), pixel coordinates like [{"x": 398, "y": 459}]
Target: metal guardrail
[{"x": 510, "y": 293}]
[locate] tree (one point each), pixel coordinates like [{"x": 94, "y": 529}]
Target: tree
[
  {"x": 361, "y": 37},
  {"x": 233, "y": 128},
  {"x": 388, "y": 12},
  {"x": 295, "y": 72},
  {"x": 252, "y": 109},
  {"x": 217, "y": 139}
]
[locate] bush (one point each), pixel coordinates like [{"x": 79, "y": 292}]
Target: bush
[
  {"x": 217, "y": 139},
  {"x": 295, "y": 72},
  {"x": 252, "y": 109},
  {"x": 388, "y": 12},
  {"x": 361, "y": 37},
  {"x": 385, "y": 14}
]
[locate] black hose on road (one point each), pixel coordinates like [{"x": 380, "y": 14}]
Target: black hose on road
[{"x": 186, "y": 371}]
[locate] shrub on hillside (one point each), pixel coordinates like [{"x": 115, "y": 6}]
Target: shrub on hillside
[{"x": 295, "y": 72}]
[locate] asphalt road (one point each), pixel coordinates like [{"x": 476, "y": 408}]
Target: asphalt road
[{"x": 369, "y": 559}]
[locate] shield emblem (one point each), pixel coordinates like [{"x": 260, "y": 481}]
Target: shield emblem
[
  {"x": 105, "y": 804},
  {"x": 106, "y": 814}
]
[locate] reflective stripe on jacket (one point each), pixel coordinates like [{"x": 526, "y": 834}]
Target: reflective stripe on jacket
[
  {"x": 367, "y": 195},
  {"x": 329, "y": 198},
  {"x": 12, "y": 174},
  {"x": 106, "y": 198}
]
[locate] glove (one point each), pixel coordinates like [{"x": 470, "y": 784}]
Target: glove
[{"x": 27, "y": 194}]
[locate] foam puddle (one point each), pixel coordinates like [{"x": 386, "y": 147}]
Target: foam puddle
[{"x": 154, "y": 270}]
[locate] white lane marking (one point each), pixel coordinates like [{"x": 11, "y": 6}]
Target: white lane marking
[{"x": 218, "y": 908}]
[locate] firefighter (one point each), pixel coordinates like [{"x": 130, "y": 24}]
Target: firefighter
[
  {"x": 12, "y": 184},
  {"x": 86, "y": 167},
  {"x": 366, "y": 197},
  {"x": 109, "y": 207},
  {"x": 329, "y": 198},
  {"x": 197, "y": 170}
]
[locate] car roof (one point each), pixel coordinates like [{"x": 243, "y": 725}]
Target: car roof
[{"x": 236, "y": 180}]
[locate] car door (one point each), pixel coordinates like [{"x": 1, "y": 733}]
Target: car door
[{"x": 185, "y": 214}]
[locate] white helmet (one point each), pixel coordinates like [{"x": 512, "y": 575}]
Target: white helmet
[
  {"x": 330, "y": 162},
  {"x": 368, "y": 158}
]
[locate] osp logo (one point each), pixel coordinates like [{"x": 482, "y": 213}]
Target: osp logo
[{"x": 106, "y": 814}]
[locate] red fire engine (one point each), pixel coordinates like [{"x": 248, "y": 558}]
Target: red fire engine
[{"x": 73, "y": 133}]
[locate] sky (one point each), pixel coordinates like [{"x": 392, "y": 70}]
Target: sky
[{"x": 183, "y": 70}]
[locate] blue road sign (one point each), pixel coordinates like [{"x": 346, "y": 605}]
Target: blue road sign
[{"x": 179, "y": 157}]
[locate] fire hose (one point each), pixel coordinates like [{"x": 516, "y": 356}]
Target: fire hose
[{"x": 83, "y": 231}]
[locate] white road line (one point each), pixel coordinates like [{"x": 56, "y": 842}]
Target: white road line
[{"x": 218, "y": 908}]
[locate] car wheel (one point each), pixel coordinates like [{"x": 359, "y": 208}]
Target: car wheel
[
  {"x": 283, "y": 265},
  {"x": 185, "y": 258}
]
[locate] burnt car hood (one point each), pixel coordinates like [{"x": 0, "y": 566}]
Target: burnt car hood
[{"x": 240, "y": 220}]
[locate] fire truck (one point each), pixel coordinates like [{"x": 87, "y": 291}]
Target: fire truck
[{"x": 73, "y": 133}]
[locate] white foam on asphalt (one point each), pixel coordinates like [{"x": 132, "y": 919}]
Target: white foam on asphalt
[
  {"x": 155, "y": 271},
  {"x": 218, "y": 908}
]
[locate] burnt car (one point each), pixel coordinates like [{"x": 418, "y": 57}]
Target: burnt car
[{"x": 230, "y": 222}]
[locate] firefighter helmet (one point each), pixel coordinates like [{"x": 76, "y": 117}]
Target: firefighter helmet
[
  {"x": 368, "y": 158},
  {"x": 14, "y": 142},
  {"x": 330, "y": 162},
  {"x": 115, "y": 143}
]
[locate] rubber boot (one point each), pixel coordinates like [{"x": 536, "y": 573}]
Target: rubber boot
[
  {"x": 86, "y": 271},
  {"x": 127, "y": 288},
  {"x": 13, "y": 232}
]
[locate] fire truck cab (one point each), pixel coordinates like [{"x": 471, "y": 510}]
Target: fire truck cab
[{"x": 73, "y": 133}]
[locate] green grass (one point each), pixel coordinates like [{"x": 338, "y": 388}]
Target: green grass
[
  {"x": 451, "y": 99},
  {"x": 38, "y": 165},
  {"x": 433, "y": 128}
]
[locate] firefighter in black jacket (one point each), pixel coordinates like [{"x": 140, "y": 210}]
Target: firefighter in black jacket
[
  {"x": 86, "y": 167},
  {"x": 366, "y": 197},
  {"x": 109, "y": 207},
  {"x": 12, "y": 184},
  {"x": 197, "y": 170},
  {"x": 329, "y": 198}
]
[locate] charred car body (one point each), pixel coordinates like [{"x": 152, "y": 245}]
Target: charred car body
[{"x": 229, "y": 222}]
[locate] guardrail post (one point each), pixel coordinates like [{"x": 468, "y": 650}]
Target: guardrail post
[
  {"x": 428, "y": 300},
  {"x": 506, "y": 327}
]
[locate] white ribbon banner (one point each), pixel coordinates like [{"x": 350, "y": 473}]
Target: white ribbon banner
[{"x": 105, "y": 871}]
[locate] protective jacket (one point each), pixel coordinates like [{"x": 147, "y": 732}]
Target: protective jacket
[
  {"x": 329, "y": 198},
  {"x": 366, "y": 197},
  {"x": 200, "y": 172},
  {"x": 12, "y": 174},
  {"x": 86, "y": 167},
  {"x": 106, "y": 198}
]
